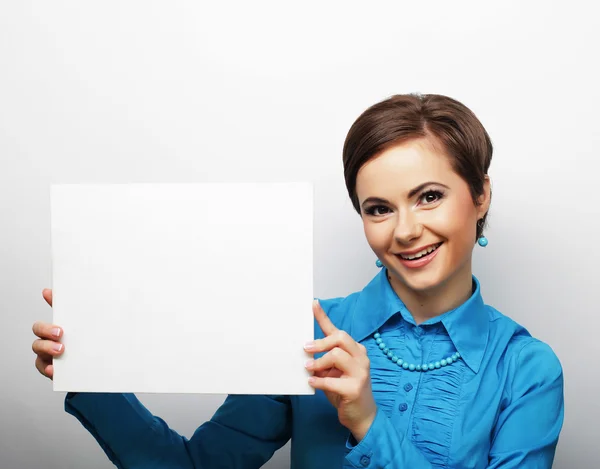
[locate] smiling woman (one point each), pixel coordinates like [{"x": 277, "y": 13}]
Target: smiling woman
[
  {"x": 416, "y": 170},
  {"x": 413, "y": 371},
  {"x": 420, "y": 220}
]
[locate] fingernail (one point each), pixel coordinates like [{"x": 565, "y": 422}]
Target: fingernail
[
  {"x": 315, "y": 302},
  {"x": 309, "y": 345},
  {"x": 309, "y": 363},
  {"x": 311, "y": 380},
  {"x": 57, "y": 347},
  {"x": 56, "y": 332}
]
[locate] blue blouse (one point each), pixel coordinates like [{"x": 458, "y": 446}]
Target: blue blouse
[{"x": 499, "y": 406}]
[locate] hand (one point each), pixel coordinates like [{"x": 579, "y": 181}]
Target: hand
[
  {"x": 343, "y": 374},
  {"x": 48, "y": 345}
]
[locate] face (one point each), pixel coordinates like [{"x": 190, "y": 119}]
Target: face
[{"x": 419, "y": 217}]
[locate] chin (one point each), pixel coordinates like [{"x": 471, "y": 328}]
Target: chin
[
  {"x": 420, "y": 280},
  {"x": 422, "y": 283}
]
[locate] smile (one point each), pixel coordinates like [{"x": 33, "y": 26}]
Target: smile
[{"x": 420, "y": 254}]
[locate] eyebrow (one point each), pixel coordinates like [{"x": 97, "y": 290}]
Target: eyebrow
[
  {"x": 412, "y": 193},
  {"x": 420, "y": 187}
]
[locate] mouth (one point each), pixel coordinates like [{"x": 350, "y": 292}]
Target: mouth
[{"x": 421, "y": 255}]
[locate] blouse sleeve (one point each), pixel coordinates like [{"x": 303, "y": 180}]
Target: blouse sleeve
[
  {"x": 243, "y": 433},
  {"x": 527, "y": 430}
]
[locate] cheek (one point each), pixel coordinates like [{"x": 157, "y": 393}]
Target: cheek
[
  {"x": 461, "y": 230},
  {"x": 457, "y": 223},
  {"x": 377, "y": 235}
]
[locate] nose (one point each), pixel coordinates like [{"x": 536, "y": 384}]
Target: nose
[{"x": 407, "y": 228}]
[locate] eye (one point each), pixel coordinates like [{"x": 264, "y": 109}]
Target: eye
[
  {"x": 431, "y": 196},
  {"x": 377, "y": 210}
]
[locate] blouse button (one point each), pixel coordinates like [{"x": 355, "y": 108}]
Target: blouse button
[
  {"x": 402, "y": 407},
  {"x": 408, "y": 387},
  {"x": 365, "y": 460},
  {"x": 418, "y": 331}
]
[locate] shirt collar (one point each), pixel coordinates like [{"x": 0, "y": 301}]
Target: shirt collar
[{"x": 467, "y": 325}]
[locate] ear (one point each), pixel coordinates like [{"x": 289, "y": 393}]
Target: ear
[{"x": 483, "y": 201}]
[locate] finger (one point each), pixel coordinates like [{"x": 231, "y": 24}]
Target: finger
[
  {"x": 324, "y": 322},
  {"x": 47, "y": 294},
  {"x": 44, "y": 367},
  {"x": 329, "y": 373},
  {"x": 339, "y": 339},
  {"x": 336, "y": 358},
  {"x": 347, "y": 388},
  {"x": 47, "y": 348},
  {"x": 45, "y": 330}
]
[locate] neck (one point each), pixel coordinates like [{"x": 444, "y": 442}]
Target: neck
[{"x": 432, "y": 302}]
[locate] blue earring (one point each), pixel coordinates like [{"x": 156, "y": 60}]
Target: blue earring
[
  {"x": 482, "y": 241},
  {"x": 378, "y": 263}
]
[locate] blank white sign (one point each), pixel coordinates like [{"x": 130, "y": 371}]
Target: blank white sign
[{"x": 183, "y": 288}]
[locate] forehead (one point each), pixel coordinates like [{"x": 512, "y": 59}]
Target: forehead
[{"x": 405, "y": 166}]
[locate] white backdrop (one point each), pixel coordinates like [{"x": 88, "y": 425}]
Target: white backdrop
[{"x": 126, "y": 91}]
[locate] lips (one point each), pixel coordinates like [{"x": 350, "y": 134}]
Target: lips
[
  {"x": 420, "y": 254},
  {"x": 420, "y": 258}
]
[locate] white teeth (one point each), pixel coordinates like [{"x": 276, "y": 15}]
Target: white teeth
[{"x": 422, "y": 253}]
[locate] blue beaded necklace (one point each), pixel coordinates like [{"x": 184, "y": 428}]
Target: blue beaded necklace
[{"x": 410, "y": 366}]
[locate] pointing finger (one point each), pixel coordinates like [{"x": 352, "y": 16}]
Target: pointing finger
[{"x": 324, "y": 322}]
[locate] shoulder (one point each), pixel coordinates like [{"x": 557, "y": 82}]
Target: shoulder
[
  {"x": 535, "y": 382},
  {"x": 530, "y": 361},
  {"x": 536, "y": 362},
  {"x": 520, "y": 343}
]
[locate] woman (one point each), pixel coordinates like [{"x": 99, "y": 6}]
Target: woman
[{"x": 414, "y": 371}]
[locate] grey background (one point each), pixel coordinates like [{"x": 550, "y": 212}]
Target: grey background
[{"x": 182, "y": 92}]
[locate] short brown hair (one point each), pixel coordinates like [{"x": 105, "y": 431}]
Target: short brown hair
[{"x": 409, "y": 116}]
